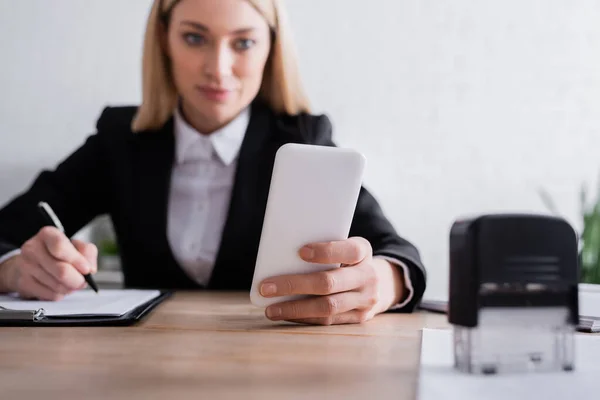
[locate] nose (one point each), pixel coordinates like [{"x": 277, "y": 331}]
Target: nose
[{"x": 219, "y": 63}]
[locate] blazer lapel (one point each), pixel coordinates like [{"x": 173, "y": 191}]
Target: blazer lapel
[
  {"x": 152, "y": 165},
  {"x": 234, "y": 266}
]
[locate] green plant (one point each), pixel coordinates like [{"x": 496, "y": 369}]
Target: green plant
[
  {"x": 108, "y": 247},
  {"x": 589, "y": 238}
]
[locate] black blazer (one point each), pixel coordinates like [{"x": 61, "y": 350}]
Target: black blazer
[{"x": 127, "y": 176}]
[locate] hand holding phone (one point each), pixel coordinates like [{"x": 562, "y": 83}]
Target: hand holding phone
[{"x": 313, "y": 195}]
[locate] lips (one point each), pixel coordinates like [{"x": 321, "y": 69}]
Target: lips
[{"x": 215, "y": 94}]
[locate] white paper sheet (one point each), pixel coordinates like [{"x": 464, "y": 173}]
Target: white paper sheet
[
  {"x": 438, "y": 380},
  {"x": 110, "y": 303},
  {"x": 589, "y": 301}
]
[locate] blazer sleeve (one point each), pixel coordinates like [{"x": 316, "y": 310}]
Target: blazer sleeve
[
  {"x": 76, "y": 190},
  {"x": 370, "y": 222}
]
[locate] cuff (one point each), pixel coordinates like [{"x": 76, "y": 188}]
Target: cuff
[
  {"x": 9, "y": 255},
  {"x": 407, "y": 283}
]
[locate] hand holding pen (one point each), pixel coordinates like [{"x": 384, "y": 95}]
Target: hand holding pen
[
  {"x": 53, "y": 220},
  {"x": 50, "y": 265}
]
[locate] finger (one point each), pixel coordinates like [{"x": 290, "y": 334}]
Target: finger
[
  {"x": 61, "y": 248},
  {"x": 46, "y": 279},
  {"x": 319, "y": 283},
  {"x": 317, "y": 307},
  {"x": 32, "y": 288},
  {"x": 350, "y": 251},
  {"x": 89, "y": 251},
  {"x": 36, "y": 253},
  {"x": 349, "y": 317}
]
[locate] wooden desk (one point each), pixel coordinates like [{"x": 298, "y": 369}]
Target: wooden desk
[{"x": 209, "y": 346}]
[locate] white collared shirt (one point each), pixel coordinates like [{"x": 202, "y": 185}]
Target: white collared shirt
[{"x": 201, "y": 185}]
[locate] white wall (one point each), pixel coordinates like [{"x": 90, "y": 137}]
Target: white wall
[
  {"x": 62, "y": 61},
  {"x": 461, "y": 107}
]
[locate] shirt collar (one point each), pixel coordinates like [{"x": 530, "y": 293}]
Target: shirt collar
[{"x": 225, "y": 142}]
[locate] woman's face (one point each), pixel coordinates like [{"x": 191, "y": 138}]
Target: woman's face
[{"x": 218, "y": 51}]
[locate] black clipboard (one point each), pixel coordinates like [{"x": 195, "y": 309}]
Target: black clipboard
[{"x": 36, "y": 318}]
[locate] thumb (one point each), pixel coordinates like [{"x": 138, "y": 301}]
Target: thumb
[{"x": 89, "y": 251}]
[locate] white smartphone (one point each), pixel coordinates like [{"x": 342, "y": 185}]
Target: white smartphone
[{"x": 312, "y": 198}]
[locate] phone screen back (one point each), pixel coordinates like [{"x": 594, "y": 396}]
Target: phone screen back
[{"x": 312, "y": 198}]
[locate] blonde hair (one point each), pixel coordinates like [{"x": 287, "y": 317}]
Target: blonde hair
[{"x": 281, "y": 87}]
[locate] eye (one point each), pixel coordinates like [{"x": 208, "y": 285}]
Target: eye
[
  {"x": 243, "y": 44},
  {"x": 194, "y": 39}
]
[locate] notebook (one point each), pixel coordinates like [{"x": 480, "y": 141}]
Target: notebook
[
  {"x": 589, "y": 308},
  {"x": 108, "y": 307}
]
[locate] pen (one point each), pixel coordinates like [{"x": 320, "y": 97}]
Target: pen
[{"x": 53, "y": 220}]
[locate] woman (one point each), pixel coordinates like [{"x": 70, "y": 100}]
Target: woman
[{"x": 185, "y": 178}]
